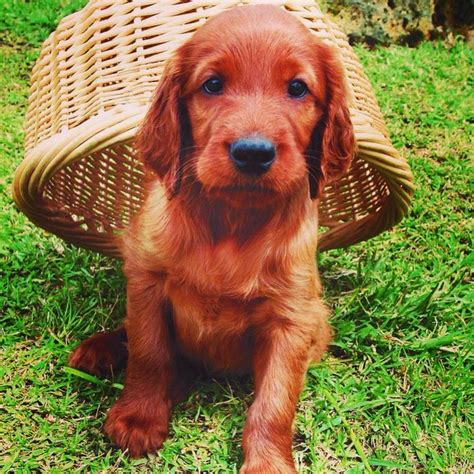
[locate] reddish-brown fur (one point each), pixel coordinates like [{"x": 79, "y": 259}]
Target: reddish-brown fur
[{"x": 221, "y": 267}]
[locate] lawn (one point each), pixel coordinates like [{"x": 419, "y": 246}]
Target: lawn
[{"x": 396, "y": 392}]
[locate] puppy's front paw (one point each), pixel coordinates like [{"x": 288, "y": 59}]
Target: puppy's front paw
[
  {"x": 267, "y": 466},
  {"x": 135, "y": 430},
  {"x": 102, "y": 354}
]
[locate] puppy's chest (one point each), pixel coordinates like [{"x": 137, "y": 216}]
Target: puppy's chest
[
  {"x": 223, "y": 269},
  {"x": 218, "y": 295},
  {"x": 213, "y": 329}
]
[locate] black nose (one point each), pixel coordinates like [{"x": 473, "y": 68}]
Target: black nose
[{"x": 252, "y": 155}]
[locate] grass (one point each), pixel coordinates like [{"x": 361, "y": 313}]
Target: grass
[{"x": 395, "y": 394}]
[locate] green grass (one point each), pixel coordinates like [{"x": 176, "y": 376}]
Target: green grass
[{"x": 397, "y": 392}]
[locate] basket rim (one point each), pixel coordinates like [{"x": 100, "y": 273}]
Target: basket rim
[{"x": 42, "y": 162}]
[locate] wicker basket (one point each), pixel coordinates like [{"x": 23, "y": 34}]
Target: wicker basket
[{"x": 90, "y": 89}]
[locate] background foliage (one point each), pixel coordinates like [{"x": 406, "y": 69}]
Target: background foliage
[
  {"x": 402, "y": 21},
  {"x": 394, "y": 395}
]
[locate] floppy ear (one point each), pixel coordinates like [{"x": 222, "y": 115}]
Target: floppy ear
[
  {"x": 166, "y": 132},
  {"x": 333, "y": 145}
]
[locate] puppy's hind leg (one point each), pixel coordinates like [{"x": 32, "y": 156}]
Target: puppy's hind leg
[{"x": 102, "y": 354}]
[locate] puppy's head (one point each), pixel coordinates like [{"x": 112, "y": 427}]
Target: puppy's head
[{"x": 252, "y": 108}]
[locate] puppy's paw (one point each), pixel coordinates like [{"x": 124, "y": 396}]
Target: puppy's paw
[
  {"x": 102, "y": 354},
  {"x": 267, "y": 466},
  {"x": 134, "y": 430}
]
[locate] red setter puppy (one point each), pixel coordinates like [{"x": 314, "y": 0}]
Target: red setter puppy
[{"x": 248, "y": 124}]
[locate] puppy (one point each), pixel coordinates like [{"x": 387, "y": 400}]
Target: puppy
[{"x": 248, "y": 124}]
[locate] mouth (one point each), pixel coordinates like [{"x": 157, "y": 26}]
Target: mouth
[
  {"x": 246, "y": 195},
  {"x": 247, "y": 188}
]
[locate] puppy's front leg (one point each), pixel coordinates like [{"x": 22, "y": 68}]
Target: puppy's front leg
[
  {"x": 280, "y": 362},
  {"x": 138, "y": 422}
]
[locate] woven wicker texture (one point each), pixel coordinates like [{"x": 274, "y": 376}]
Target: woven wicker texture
[{"x": 90, "y": 90}]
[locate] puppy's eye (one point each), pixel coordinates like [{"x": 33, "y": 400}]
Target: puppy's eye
[
  {"x": 213, "y": 86},
  {"x": 297, "y": 89}
]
